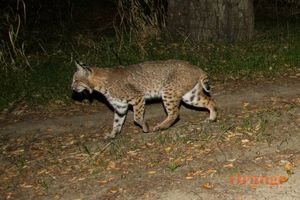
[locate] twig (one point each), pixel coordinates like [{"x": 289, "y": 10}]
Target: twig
[{"x": 105, "y": 147}]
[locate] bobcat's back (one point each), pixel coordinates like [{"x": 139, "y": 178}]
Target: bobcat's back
[{"x": 150, "y": 78}]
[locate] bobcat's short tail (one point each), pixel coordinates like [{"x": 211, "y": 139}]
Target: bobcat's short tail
[{"x": 205, "y": 84}]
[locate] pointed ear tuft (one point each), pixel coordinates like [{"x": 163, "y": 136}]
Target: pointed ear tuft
[
  {"x": 82, "y": 69},
  {"x": 79, "y": 65}
]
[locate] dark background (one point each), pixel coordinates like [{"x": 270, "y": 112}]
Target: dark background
[{"x": 41, "y": 39}]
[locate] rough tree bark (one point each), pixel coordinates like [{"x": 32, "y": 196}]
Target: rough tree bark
[{"x": 217, "y": 20}]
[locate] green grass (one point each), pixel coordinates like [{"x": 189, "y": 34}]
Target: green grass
[{"x": 272, "y": 51}]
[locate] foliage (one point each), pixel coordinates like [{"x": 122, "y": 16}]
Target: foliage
[
  {"x": 138, "y": 21},
  {"x": 50, "y": 51},
  {"x": 11, "y": 48}
]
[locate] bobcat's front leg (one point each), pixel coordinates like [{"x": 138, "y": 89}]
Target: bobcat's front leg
[
  {"x": 119, "y": 118},
  {"x": 117, "y": 126}
]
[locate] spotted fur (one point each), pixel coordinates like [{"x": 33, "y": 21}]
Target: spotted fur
[{"x": 173, "y": 81}]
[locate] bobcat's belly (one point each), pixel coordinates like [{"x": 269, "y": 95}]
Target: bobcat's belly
[{"x": 153, "y": 94}]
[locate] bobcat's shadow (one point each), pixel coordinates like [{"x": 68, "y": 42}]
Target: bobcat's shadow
[{"x": 95, "y": 96}]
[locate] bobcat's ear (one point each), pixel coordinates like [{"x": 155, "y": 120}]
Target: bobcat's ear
[{"x": 82, "y": 69}]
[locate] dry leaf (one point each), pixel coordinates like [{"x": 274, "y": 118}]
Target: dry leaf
[
  {"x": 168, "y": 149},
  {"x": 245, "y": 104},
  {"x": 189, "y": 158},
  {"x": 211, "y": 171},
  {"x": 268, "y": 165},
  {"x": 283, "y": 162},
  {"x": 113, "y": 190},
  {"x": 152, "y": 172},
  {"x": 232, "y": 160},
  {"x": 258, "y": 126},
  {"x": 24, "y": 185},
  {"x": 245, "y": 141},
  {"x": 195, "y": 173},
  {"x": 112, "y": 166},
  {"x": 102, "y": 182},
  {"x": 208, "y": 185},
  {"x": 189, "y": 177},
  {"x": 288, "y": 168},
  {"x": 229, "y": 165},
  {"x": 132, "y": 153}
]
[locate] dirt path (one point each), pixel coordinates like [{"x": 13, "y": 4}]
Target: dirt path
[
  {"x": 256, "y": 140},
  {"x": 229, "y": 96}
]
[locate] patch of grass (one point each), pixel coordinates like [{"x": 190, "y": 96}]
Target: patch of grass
[
  {"x": 44, "y": 185},
  {"x": 272, "y": 51},
  {"x": 172, "y": 166},
  {"x": 234, "y": 170}
]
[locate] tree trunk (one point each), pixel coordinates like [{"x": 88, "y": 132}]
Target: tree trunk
[{"x": 217, "y": 20}]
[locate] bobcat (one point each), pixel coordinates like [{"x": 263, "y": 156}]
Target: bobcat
[{"x": 171, "y": 80}]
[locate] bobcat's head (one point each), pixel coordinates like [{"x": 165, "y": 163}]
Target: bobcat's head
[{"x": 81, "y": 78}]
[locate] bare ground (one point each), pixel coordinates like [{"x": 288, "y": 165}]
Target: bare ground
[{"x": 251, "y": 152}]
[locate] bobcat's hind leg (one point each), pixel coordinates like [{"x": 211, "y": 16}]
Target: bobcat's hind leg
[
  {"x": 198, "y": 98},
  {"x": 210, "y": 104},
  {"x": 171, "y": 102},
  {"x": 139, "y": 111}
]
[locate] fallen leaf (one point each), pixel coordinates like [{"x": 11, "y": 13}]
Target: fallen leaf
[
  {"x": 152, "y": 172},
  {"x": 232, "y": 160},
  {"x": 189, "y": 158},
  {"x": 102, "y": 182},
  {"x": 283, "y": 162},
  {"x": 211, "y": 171},
  {"x": 288, "y": 168},
  {"x": 112, "y": 166},
  {"x": 268, "y": 165},
  {"x": 258, "y": 126},
  {"x": 132, "y": 153},
  {"x": 229, "y": 165},
  {"x": 245, "y": 141},
  {"x": 24, "y": 185},
  {"x": 189, "y": 177},
  {"x": 113, "y": 190},
  {"x": 246, "y": 104},
  {"x": 168, "y": 149},
  {"x": 208, "y": 185}
]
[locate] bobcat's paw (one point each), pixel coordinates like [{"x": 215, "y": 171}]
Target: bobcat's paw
[
  {"x": 209, "y": 120},
  {"x": 111, "y": 135},
  {"x": 145, "y": 128},
  {"x": 158, "y": 128}
]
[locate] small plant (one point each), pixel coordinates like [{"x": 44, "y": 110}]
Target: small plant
[
  {"x": 44, "y": 184},
  {"x": 12, "y": 49},
  {"x": 172, "y": 166},
  {"x": 139, "y": 21}
]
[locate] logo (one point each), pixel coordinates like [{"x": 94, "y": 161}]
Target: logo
[{"x": 254, "y": 181}]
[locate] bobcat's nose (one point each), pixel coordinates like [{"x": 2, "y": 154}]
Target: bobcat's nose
[{"x": 74, "y": 88}]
